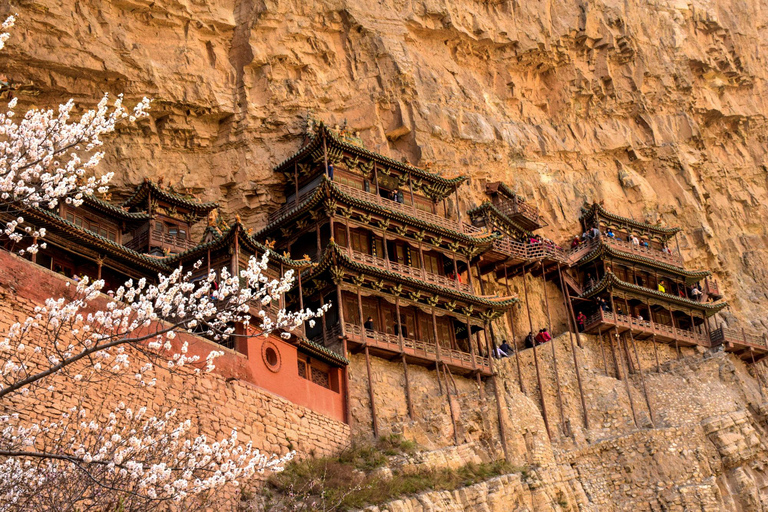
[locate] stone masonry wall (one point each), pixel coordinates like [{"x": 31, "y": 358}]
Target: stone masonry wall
[{"x": 216, "y": 402}]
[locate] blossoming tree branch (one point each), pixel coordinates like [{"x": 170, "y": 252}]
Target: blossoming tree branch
[{"x": 125, "y": 455}]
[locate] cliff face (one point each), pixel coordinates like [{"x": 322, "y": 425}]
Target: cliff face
[{"x": 656, "y": 107}]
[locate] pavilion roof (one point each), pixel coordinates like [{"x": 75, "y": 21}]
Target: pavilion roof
[
  {"x": 226, "y": 238},
  {"x": 114, "y": 210},
  {"x": 611, "y": 281},
  {"x": 334, "y": 141},
  {"x": 335, "y": 255},
  {"x": 604, "y": 249},
  {"x": 180, "y": 200},
  {"x": 489, "y": 207},
  {"x": 327, "y": 186},
  {"x": 596, "y": 210}
]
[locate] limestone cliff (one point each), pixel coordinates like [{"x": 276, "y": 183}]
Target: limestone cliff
[{"x": 655, "y": 106}]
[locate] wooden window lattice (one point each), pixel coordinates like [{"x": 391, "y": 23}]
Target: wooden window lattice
[{"x": 321, "y": 378}]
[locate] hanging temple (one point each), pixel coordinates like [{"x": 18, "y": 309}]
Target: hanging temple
[{"x": 404, "y": 268}]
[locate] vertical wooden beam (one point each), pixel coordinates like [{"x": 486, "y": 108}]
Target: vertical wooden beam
[
  {"x": 497, "y": 395},
  {"x": 554, "y": 352},
  {"x": 642, "y": 380},
  {"x": 626, "y": 381},
  {"x": 410, "y": 188},
  {"x": 514, "y": 337},
  {"x": 471, "y": 345},
  {"x": 346, "y": 382},
  {"x": 437, "y": 349},
  {"x": 674, "y": 329},
  {"x": 630, "y": 363},
  {"x": 602, "y": 349},
  {"x": 572, "y": 322},
  {"x": 536, "y": 359},
  {"x": 399, "y": 324},
  {"x": 450, "y": 406},
  {"x": 455, "y": 270},
  {"x": 376, "y": 180},
  {"x": 325, "y": 155},
  {"x": 319, "y": 242},
  {"x": 341, "y": 313},
  {"x": 371, "y": 393},
  {"x": 407, "y": 388},
  {"x": 322, "y": 319}
]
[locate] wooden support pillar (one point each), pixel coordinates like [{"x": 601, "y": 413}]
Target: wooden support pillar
[
  {"x": 450, "y": 406},
  {"x": 554, "y": 352},
  {"x": 630, "y": 363},
  {"x": 319, "y": 242},
  {"x": 341, "y": 312},
  {"x": 345, "y": 377},
  {"x": 407, "y": 388},
  {"x": 536, "y": 359},
  {"x": 374, "y": 420},
  {"x": 410, "y": 189},
  {"x": 399, "y": 325},
  {"x": 376, "y": 178},
  {"x": 642, "y": 380},
  {"x": 626, "y": 381},
  {"x": 99, "y": 264},
  {"x": 497, "y": 395},
  {"x": 572, "y": 322},
  {"x": 471, "y": 345},
  {"x": 674, "y": 330},
  {"x": 758, "y": 375},
  {"x": 706, "y": 330},
  {"x": 458, "y": 209},
  {"x": 301, "y": 292},
  {"x": 514, "y": 336},
  {"x": 469, "y": 275},
  {"x": 602, "y": 349},
  {"x": 437, "y": 347},
  {"x": 455, "y": 270},
  {"x": 421, "y": 259}
]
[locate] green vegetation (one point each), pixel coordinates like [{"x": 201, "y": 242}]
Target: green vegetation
[{"x": 358, "y": 478}]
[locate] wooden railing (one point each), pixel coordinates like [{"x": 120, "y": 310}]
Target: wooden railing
[
  {"x": 416, "y": 348},
  {"x": 139, "y": 243},
  {"x": 645, "y": 326},
  {"x": 403, "y": 207},
  {"x": 648, "y": 252},
  {"x": 738, "y": 336},
  {"x": 711, "y": 287},
  {"x": 289, "y": 206},
  {"x": 511, "y": 207},
  {"x": 406, "y": 270}
]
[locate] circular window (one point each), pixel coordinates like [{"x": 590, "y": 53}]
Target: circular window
[{"x": 271, "y": 356}]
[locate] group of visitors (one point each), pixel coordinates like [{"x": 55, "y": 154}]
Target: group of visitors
[
  {"x": 504, "y": 350},
  {"x": 397, "y": 196}
]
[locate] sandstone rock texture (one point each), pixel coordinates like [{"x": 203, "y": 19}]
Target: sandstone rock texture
[{"x": 656, "y": 107}]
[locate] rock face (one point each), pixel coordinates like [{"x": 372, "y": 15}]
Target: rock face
[{"x": 657, "y": 107}]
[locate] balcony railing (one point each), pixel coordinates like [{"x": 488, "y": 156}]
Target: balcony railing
[
  {"x": 373, "y": 198},
  {"x": 139, "y": 243},
  {"x": 738, "y": 337},
  {"x": 654, "y": 254},
  {"x": 406, "y": 270},
  {"x": 515, "y": 206},
  {"x": 645, "y": 326},
  {"x": 416, "y": 348}
]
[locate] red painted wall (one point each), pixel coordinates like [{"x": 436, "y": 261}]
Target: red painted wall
[{"x": 35, "y": 283}]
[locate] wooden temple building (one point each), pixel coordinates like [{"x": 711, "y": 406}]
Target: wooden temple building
[
  {"x": 386, "y": 243},
  {"x": 631, "y": 284}
]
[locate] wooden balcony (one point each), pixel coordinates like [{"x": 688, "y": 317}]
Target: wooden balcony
[
  {"x": 418, "y": 352},
  {"x": 747, "y": 346},
  {"x": 408, "y": 271},
  {"x": 646, "y": 252},
  {"x": 603, "y": 321},
  {"x": 371, "y": 197},
  {"x": 174, "y": 244},
  {"x": 520, "y": 212}
]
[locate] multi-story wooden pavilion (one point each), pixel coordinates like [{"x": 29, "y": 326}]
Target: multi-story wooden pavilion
[
  {"x": 632, "y": 283},
  {"x": 391, "y": 251}
]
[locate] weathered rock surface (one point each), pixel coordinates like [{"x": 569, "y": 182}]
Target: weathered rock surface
[{"x": 657, "y": 107}]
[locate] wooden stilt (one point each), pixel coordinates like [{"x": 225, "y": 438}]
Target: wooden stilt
[
  {"x": 407, "y": 388},
  {"x": 602, "y": 349},
  {"x": 450, "y": 406},
  {"x": 554, "y": 352},
  {"x": 346, "y": 383},
  {"x": 572, "y": 322},
  {"x": 514, "y": 337},
  {"x": 626, "y": 383},
  {"x": 374, "y": 420},
  {"x": 536, "y": 359},
  {"x": 653, "y": 330},
  {"x": 613, "y": 353},
  {"x": 642, "y": 380},
  {"x": 757, "y": 373}
]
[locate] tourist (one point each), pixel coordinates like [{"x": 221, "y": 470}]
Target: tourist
[
  {"x": 545, "y": 335},
  {"x": 576, "y": 241},
  {"x": 330, "y": 171},
  {"x": 594, "y": 232},
  {"x": 529, "y": 340},
  {"x": 634, "y": 240},
  {"x": 661, "y": 287},
  {"x": 506, "y": 347},
  {"x": 645, "y": 244},
  {"x": 400, "y": 197},
  {"x": 590, "y": 282},
  {"x": 539, "y": 337},
  {"x": 602, "y": 304},
  {"x": 580, "y": 320},
  {"x": 393, "y": 195},
  {"x": 610, "y": 234},
  {"x": 696, "y": 293},
  {"x": 368, "y": 324},
  {"x": 400, "y": 330},
  {"x": 498, "y": 353}
]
